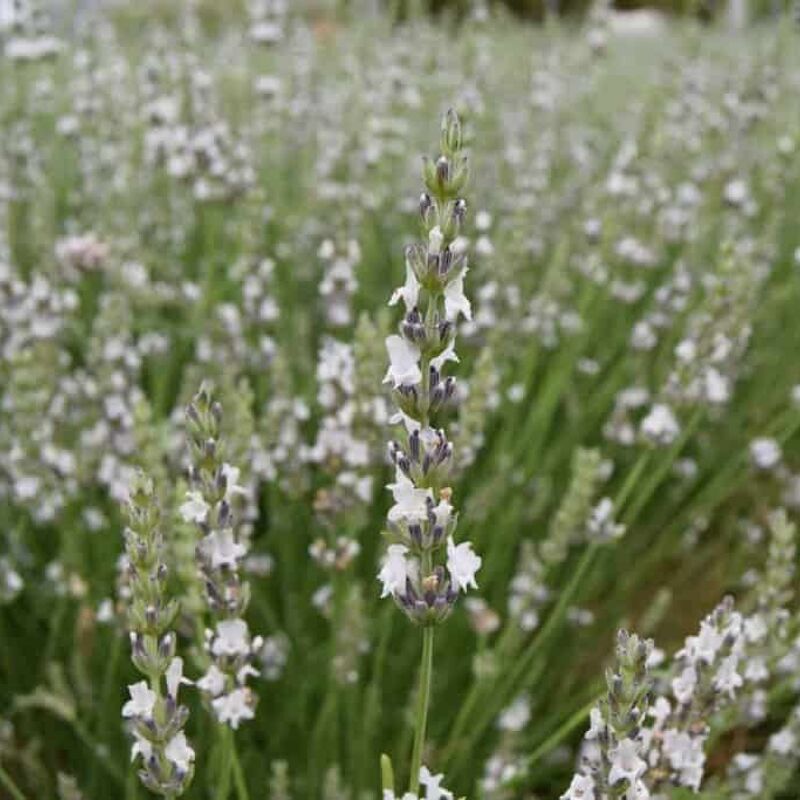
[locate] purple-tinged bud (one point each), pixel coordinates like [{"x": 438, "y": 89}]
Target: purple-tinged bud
[
  {"x": 225, "y": 516},
  {"x": 442, "y": 169},
  {"x": 166, "y": 647},
  {"x": 414, "y": 444},
  {"x": 445, "y": 261},
  {"x": 221, "y": 482},
  {"x": 425, "y": 205},
  {"x": 415, "y": 532}
]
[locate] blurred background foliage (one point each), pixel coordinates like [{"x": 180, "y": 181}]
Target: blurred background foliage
[{"x": 215, "y": 13}]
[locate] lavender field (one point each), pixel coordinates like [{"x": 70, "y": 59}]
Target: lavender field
[{"x": 397, "y": 407}]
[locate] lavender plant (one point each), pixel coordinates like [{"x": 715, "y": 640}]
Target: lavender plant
[
  {"x": 229, "y": 647},
  {"x": 157, "y": 719},
  {"x": 422, "y": 521},
  {"x": 200, "y": 191}
]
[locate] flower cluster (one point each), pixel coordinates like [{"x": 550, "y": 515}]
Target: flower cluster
[
  {"x": 211, "y": 505},
  {"x": 614, "y": 764},
  {"x": 705, "y": 676},
  {"x": 430, "y": 782},
  {"x": 767, "y": 774},
  {"x": 422, "y": 521},
  {"x": 31, "y": 38},
  {"x": 577, "y": 519},
  {"x": 157, "y": 718}
]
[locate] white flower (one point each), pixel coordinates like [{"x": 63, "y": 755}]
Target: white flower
[
  {"x": 597, "y": 724},
  {"x": 704, "y": 646},
  {"x": 432, "y": 784},
  {"x": 195, "y": 508},
  {"x": 394, "y": 571},
  {"x": 174, "y": 677},
  {"x": 234, "y": 707},
  {"x": 755, "y": 628},
  {"x": 232, "y": 486},
  {"x": 410, "y": 503},
  {"x": 455, "y": 301},
  {"x": 409, "y": 292},
  {"x": 179, "y": 752},
  {"x": 222, "y": 549},
  {"x": 483, "y": 220},
  {"x": 246, "y": 671},
  {"x": 105, "y": 611},
  {"x": 601, "y": 524},
  {"x": 660, "y": 425},
  {"x": 686, "y": 756},
  {"x": 213, "y": 682},
  {"x": 684, "y": 685},
  {"x": 659, "y": 711},
  {"x": 756, "y": 670},
  {"x": 142, "y": 700},
  {"x": 581, "y": 788},
  {"x": 717, "y": 387},
  {"x": 626, "y": 763},
  {"x": 404, "y": 362},
  {"x": 736, "y": 192},
  {"x": 443, "y": 513},
  {"x": 754, "y": 783},
  {"x": 462, "y": 564},
  {"x": 141, "y": 747},
  {"x": 232, "y": 638},
  {"x": 515, "y": 716},
  {"x": 765, "y": 453},
  {"x": 784, "y": 742},
  {"x": 448, "y": 354},
  {"x": 727, "y": 678}
]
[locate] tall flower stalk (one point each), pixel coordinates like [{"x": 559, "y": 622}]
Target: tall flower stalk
[
  {"x": 424, "y": 568},
  {"x": 156, "y": 718},
  {"x": 229, "y": 647}
]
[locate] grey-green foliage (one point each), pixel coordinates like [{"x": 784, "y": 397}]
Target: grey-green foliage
[
  {"x": 280, "y": 782},
  {"x": 570, "y": 519}
]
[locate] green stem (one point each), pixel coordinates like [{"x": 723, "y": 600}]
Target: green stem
[
  {"x": 13, "y": 789},
  {"x": 423, "y": 701},
  {"x": 225, "y": 763},
  {"x": 103, "y": 721},
  {"x": 238, "y": 773}
]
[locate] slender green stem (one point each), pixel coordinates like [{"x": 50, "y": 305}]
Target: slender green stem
[
  {"x": 131, "y": 792},
  {"x": 8, "y": 783},
  {"x": 238, "y": 773},
  {"x": 423, "y": 701},
  {"x": 225, "y": 763}
]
